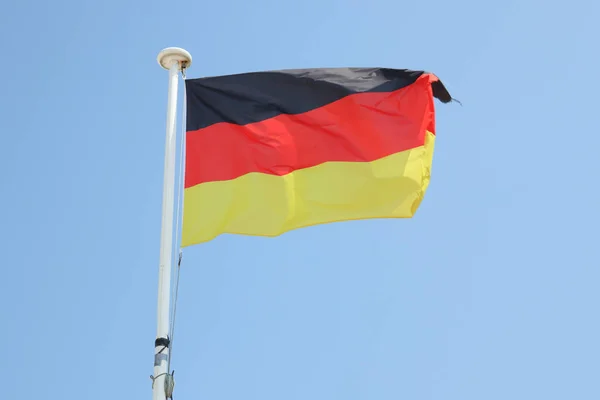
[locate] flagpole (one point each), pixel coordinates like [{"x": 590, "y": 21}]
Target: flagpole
[{"x": 174, "y": 60}]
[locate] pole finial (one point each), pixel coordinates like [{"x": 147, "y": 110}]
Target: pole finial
[{"x": 174, "y": 54}]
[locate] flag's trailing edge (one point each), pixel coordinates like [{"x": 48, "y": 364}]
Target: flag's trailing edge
[{"x": 269, "y": 152}]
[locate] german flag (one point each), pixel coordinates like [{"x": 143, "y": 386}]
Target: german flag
[{"x": 269, "y": 152}]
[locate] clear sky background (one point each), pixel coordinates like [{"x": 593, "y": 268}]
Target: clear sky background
[{"x": 490, "y": 292}]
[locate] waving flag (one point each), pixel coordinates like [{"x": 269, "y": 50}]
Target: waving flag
[{"x": 268, "y": 152}]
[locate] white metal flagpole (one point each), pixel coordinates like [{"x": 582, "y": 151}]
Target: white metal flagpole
[{"x": 173, "y": 59}]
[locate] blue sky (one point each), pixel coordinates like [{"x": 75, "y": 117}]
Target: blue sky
[{"x": 490, "y": 292}]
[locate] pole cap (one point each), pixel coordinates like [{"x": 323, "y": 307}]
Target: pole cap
[{"x": 167, "y": 56}]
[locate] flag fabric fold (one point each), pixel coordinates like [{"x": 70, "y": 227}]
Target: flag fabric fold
[{"x": 269, "y": 152}]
